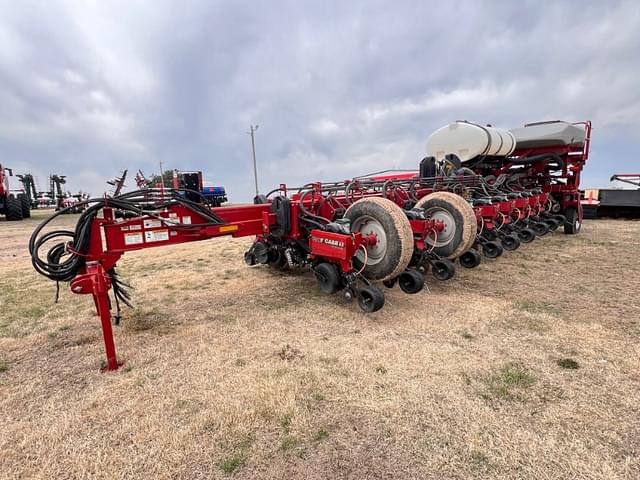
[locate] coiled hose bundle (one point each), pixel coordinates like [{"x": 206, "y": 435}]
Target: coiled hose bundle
[{"x": 67, "y": 257}]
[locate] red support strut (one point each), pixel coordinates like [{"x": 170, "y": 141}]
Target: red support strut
[{"x": 96, "y": 282}]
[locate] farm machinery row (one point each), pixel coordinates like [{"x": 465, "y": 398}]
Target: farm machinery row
[
  {"x": 478, "y": 192},
  {"x": 16, "y": 204}
]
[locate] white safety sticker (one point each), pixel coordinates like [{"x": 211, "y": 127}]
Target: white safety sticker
[
  {"x": 186, "y": 220},
  {"x": 103, "y": 238},
  {"x": 149, "y": 223},
  {"x": 156, "y": 236},
  {"x": 132, "y": 238},
  {"x": 137, "y": 226}
]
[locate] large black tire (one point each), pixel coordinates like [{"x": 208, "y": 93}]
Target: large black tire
[
  {"x": 392, "y": 254},
  {"x": 574, "y": 223},
  {"x": 460, "y": 220},
  {"x": 14, "y": 209},
  {"x": 25, "y": 205}
]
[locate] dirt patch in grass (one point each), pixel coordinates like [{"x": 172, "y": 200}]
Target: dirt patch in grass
[
  {"x": 265, "y": 377},
  {"x": 568, "y": 363}
]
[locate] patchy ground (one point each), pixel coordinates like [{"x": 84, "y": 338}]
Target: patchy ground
[{"x": 526, "y": 367}]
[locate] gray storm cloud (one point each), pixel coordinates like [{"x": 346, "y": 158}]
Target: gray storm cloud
[{"x": 338, "y": 88}]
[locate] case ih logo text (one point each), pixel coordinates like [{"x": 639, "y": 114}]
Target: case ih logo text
[{"x": 328, "y": 241}]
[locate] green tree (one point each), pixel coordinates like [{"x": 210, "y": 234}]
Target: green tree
[{"x": 166, "y": 179}]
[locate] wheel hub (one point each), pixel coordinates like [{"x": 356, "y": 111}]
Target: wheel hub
[
  {"x": 370, "y": 227},
  {"x": 448, "y": 231}
]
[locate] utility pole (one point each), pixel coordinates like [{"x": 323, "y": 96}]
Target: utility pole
[
  {"x": 254, "y": 129},
  {"x": 162, "y": 181}
]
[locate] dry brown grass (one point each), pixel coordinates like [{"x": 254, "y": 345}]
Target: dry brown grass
[{"x": 247, "y": 373}]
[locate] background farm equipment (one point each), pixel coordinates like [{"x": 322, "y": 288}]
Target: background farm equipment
[
  {"x": 65, "y": 202},
  {"x": 614, "y": 202},
  {"x": 388, "y": 229},
  {"x": 192, "y": 184},
  {"x": 189, "y": 184},
  {"x": 14, "y": 205},
  {"x": 118, "y": 184},
  {"x": 29, "y": 187}
]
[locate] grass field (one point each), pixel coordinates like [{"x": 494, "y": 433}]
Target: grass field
[{"x": 526, "y": 367}]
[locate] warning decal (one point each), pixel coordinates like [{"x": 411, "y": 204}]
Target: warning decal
[
  {"x": 156, "y": 236},
  {"x": 149, "y": 223},
  {"x": 132, "y": 238}
]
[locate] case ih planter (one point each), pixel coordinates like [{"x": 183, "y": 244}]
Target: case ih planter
[{"x": 389, "y": 228}]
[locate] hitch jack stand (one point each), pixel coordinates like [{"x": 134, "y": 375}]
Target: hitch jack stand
[{"x": 97, "y": 283}]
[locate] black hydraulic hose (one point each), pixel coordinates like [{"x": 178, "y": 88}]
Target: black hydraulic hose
[
  {"x": 312, "y": 222},
  {"x": 65, "y": 259},
  {"x": 306, "y": 212},
  {"x": 385, "y": 186}
]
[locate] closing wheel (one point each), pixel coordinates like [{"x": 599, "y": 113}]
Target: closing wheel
[
  {"x": 574, "y": 221},
  {"x": 249, "y": 259},
  {"x": 540, "y": 228},
  {"x": 411, "y": 281},
  {"x": 277, "y": 259},
  {"x": 490, "y": 235},
  {"x": 561, "y": 219},
  {"x": 25, "y": 205},
  {"x": 13, "y": 208},
  {"x": 526, "y": 235},
  {"x": 260, "y": 252},
  {"x": 328, "y": 277},
  {"x": 510, "y": 242},
  {"x": 383, "y": 220},
  {"x": 460, "y": 224},
  {"x": 470, "y": 259},
  {"x": 443, "y": 269},
  {"x": 491, "y": 249},
  {"x": 552, "y": 224},
  {"x": 370, "y": 299}
]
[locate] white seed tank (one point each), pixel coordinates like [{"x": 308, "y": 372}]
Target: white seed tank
[{"x": 468, "y": 140}]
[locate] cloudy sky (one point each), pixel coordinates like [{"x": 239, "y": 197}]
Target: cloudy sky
[{"x": 88, "y": 88}]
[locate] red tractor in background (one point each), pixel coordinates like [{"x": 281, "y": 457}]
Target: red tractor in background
[{"x": 14, "y": 206}]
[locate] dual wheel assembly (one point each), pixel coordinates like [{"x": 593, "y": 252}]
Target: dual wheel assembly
[{"x": 393, "y": 258}]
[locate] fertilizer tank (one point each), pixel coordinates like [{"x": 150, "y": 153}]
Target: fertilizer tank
[{"x": 468, "y": 140}]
